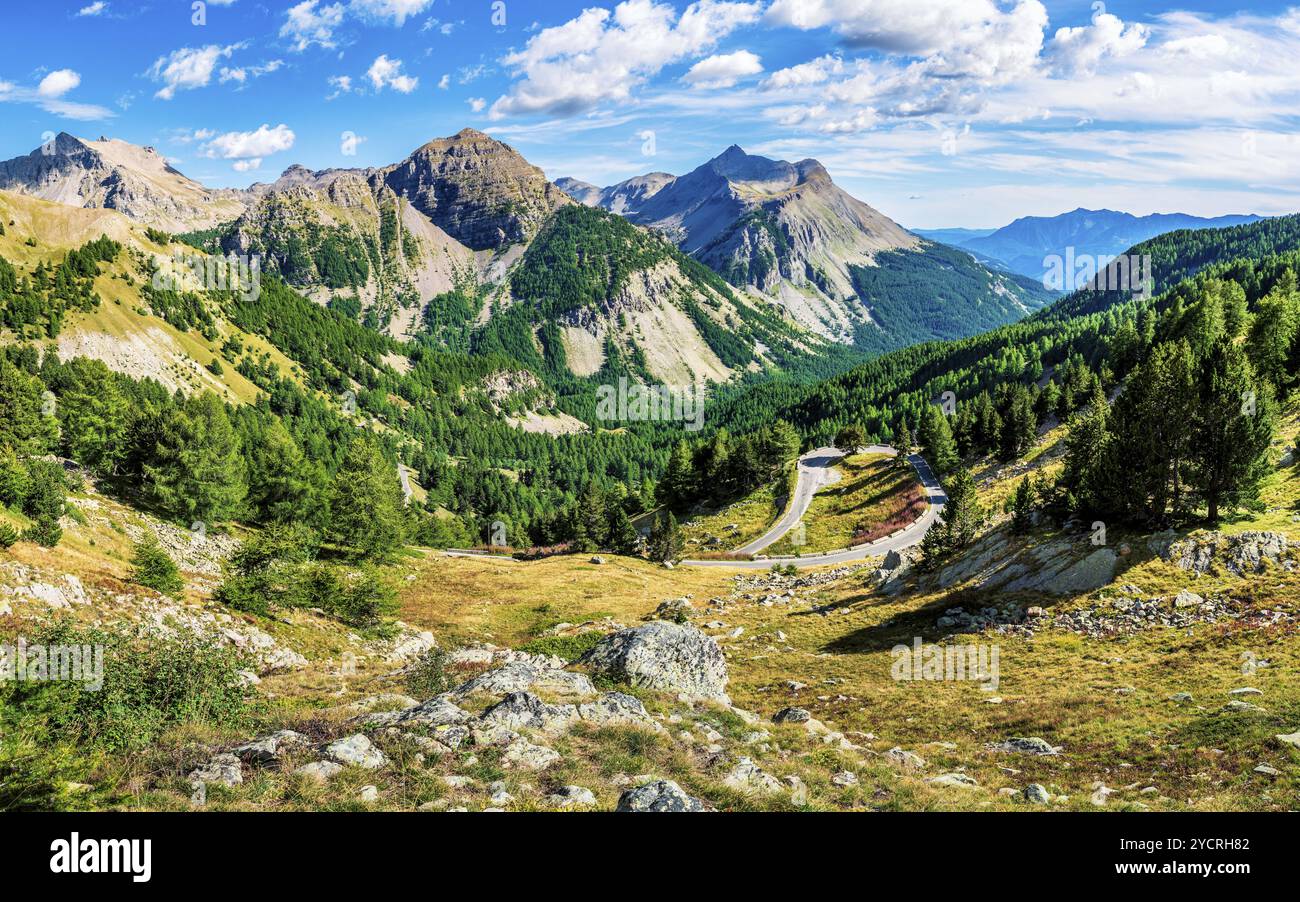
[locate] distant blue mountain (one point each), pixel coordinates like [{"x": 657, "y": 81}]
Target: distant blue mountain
[{"x": 1022, "y": 245}]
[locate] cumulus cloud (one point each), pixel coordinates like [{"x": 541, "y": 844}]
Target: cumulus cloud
[
  {"x": 604, "y": 56},
  {"x": 58, "y": 83},
  {"x": 93, "y": 9},
  {"x": 393, "y": 11},
  {"x": 309, "y": 23},
  {"x": 1079, "y": 50},
  {"x": 977, "y": 38},
  {"x": 813, "y": 72},
  {"x": 723, "y": 70},
  {"x": 188, "y": 68},
  {"x": 246, "y": 149},
  {"x": 386, "y": 73}
]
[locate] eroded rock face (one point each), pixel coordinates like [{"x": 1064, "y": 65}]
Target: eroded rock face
[
  {"x": 666, "y": 657},
  {"x": 476, "y": 189},
  {"x": 1241, "y": 554}
]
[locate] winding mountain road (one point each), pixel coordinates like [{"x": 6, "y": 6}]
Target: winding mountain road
[{"x": 815, "y": 472}]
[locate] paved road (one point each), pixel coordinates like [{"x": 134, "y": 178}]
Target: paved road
[
  {"x": 812, "y": 473},
  {"x": 815, "y": 472}
]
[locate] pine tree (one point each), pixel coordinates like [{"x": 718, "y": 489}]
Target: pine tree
[
  {"x": 366, "y": 504},
  {"x": 678, "y": 488},
  {"x": 1086, "y": 457},
  {"x": 851, "y": 438},
  {"x": 1234, "y": 426},
  {"x": 26, "y": 418},
  {"x": 666, "y": 541},
  {"x": 1151, "y": 426},
  {"x": 282, "y": 485},
  {"x": 1022, "y": 508},
  {"x": 197, "y": 472},
  {"x": 93, "y": 415},
  {"x": 1019, "y": 427},
  {"x": 1274, "y": 332},
  {"x": 623, "y": 537},
  {"x": 937, "y": 442}
]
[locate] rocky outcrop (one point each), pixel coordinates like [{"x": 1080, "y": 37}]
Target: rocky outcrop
[
  {"x": 661, "y": 795},
  {"x": 114, "y": 175},
  {"x": 1058, "y": 567},
  {"x": 665, "y": 657},
  {"x": 476, "y": 189},
  {"x": 1240, "y": 554}
]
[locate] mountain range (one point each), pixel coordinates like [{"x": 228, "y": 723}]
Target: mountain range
[
  {"x": 1022, "y": 246},
  {"x": 787, "y": 234},
  {"x": 465, "y": 240}
]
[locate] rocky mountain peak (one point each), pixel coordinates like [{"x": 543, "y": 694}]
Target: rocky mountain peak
[{"x": 477, "y": 189}]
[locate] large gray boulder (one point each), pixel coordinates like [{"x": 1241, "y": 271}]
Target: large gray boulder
[
  {"x": 666, "y": 657},
  {"x": 662, "y": 795}
]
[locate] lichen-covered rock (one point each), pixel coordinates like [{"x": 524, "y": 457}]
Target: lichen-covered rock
[
  {"x": 271, "y": 748},
  {"x": 522, "y": 753},
  {"x": 437, "y": 711},
  {"x": 572, "y": 797},
  {"x": 524, "y": 676},
  {"x": 355, "y": 751},
  {"x": 666, "y": 657},
  {"x": 1240, "y": 554},
  {"x": 662, "y": 795},
  {"x": 520, "y": 710},
  {"x": 224, "y": 769},
  {"x": 617, "y": 708},
  {"x": 748, "y": 777}
]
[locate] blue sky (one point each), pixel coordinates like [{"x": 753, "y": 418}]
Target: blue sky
[{"x": 938, "y": 112}]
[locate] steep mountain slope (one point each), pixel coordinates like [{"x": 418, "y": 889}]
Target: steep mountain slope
[
  {"x": 1023, "y": 244},
  {"x": 787, "y": 233},
  {"x": 112, "y": 174},
  {"x": 595, "y": 295},
  {"x": 476, "y": 189},
  {"x": 346, "y": 234}
]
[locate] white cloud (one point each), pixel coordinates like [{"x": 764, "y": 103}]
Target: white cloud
[
  {"x": 246, "y": 165},
  {"x": 93, "y": 9},
  {"x": 241, "y": 74},
  {"x": 1079, "y": 50},
  {"x": 305, "y": 24},
  {"x": 813, "y": 72},
  {"x": 723, "y": 70},
  {"x": 603, "y": 56},
  {"x": 975, "y": 38},
  {"x": 248, "y": 148},
  {"x": 58, "y": 83},
  {"x": 477, "y": 104},
  {"x": 445, "y": 82},
  {"x": 342, "y": 84},
  {"x": 188, "y": 68},
  {"x": 394, "y": 11},
  {"x": 49, "y": 96},
  {"x": 386, "y": 73}
]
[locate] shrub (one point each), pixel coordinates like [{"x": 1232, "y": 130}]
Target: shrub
[
  {"x": 365, "y": 600},
  {"x": 570, "y": 648},
  {"x": 8, "y": 536},
  {"x": 154, "y": 568},
  {"x": 151, "y": 682},
  {"x": 428, "y": 676}
]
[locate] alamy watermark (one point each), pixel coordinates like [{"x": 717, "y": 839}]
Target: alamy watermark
[
  {"x": 24, "y": 662},
  {"x": 932, "y": 663},
  {"x": 237, "y": 273},
  {"x": 1099, "y": 272},
  {"x": 633, "y": 402}
]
